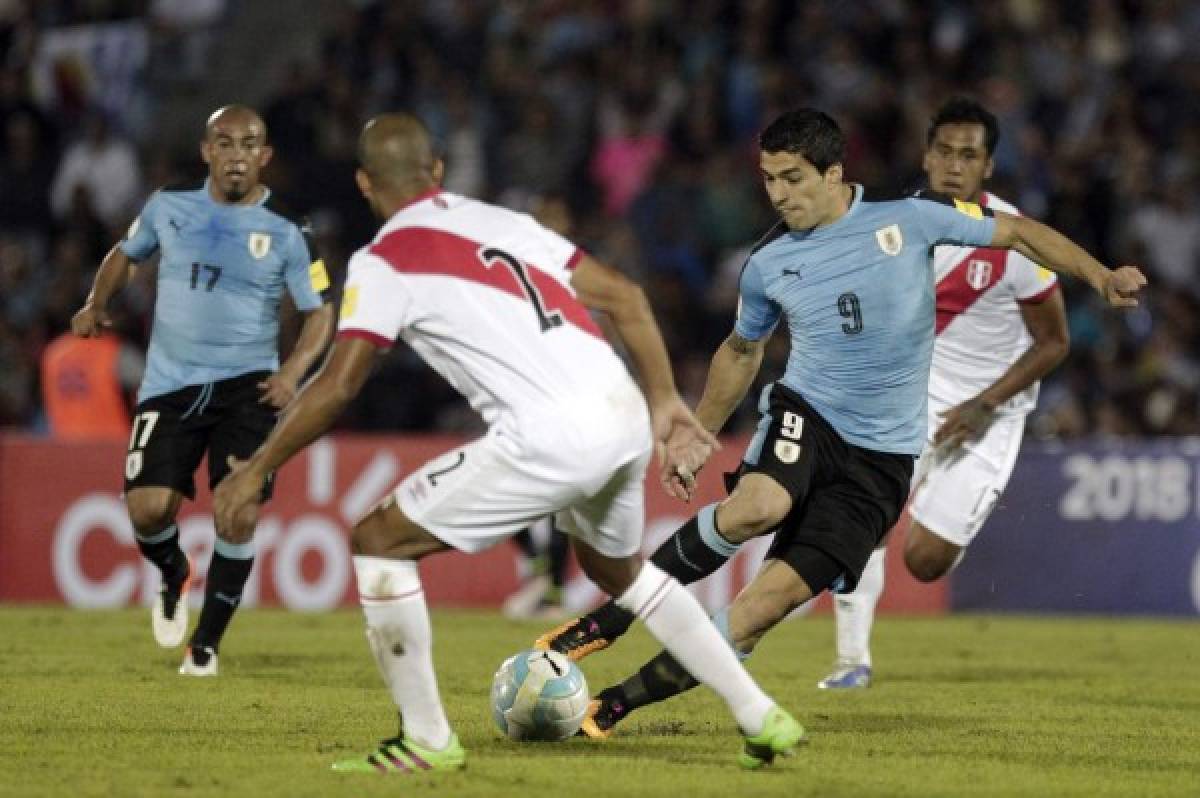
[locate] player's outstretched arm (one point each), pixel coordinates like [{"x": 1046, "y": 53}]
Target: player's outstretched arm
[
  {"x": 280, "y": 388},
  {"x": 115, "y": 272},
  {"x": 306, "y": 419},
  {"x": 1052, "y": 249}
]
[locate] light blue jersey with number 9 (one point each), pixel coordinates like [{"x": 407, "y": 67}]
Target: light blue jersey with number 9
[{"x": 858, "y": 298}]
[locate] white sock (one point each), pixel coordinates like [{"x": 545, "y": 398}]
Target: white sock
[
  {"x": 677, "y": 620},
  {"x": 855, "y": 613},
  {"x": 400, "y": 637}
]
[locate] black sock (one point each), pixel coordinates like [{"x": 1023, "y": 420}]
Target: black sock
[
  {"x": 165, "y": 553},
  {"x": 686, "y": 556},
  {"x": 613, "y": 621},
  {"x": 658, "y": 680},
  {"x": 558, "y": 549},
  {"x": 222, "y": 594},
  {"x": 524, "y": 542}
]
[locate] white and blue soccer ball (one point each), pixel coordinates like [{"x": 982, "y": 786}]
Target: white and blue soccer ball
[{"x": 539, "y": 695}]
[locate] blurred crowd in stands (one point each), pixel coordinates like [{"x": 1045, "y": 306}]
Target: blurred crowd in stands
[{"x": 630, "y": 125}]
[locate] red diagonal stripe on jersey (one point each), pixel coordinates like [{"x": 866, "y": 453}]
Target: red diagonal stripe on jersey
[
  {"x": 966, "y": 282},
  {"x": 423, "y": 250}
]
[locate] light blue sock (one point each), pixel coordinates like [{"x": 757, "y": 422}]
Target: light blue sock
[
  {"x": 158, "y": 537},
  {"x": 235, "y": 551},
  {"x": 707, "y": 521}
]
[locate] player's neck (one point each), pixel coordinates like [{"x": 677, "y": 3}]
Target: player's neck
[
  {"x": 843, "y": 199},
  {"x": 392, "y": 200}
]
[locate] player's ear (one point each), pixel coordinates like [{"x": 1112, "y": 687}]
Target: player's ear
[
  {"x": 205, "y": 150},
  {"x": 264, "y": 155},
  {"x": 834, "y": 174},
  {"x": 364, "y": 182},
  {"x": 439, "y": 170},
  {"x": 987, "y": 170}
]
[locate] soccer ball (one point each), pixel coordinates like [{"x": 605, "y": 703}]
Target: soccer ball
[{"x": 539, "y": 695}]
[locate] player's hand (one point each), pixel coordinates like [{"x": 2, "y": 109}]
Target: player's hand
[
  {"x": 967, "y": 421},
  {"x": 236, "y": 499},
  {"x": 1121, "y": 286},
  {"x": 681, "y": 464},
  {"x": 682, "y": 445},
  {"x": 278, "y": 390},
  {"x": 90, "y": 322}
]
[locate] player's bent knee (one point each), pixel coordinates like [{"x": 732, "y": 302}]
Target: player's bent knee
[
  {"x": 151, "y": 509},
  {"x": 387, "y": 532},
  {"x": 929, "y": 557},
  {"x": 243, "y": 526},
  {"x": 926, "y": 567},
  {"x": 613, "y": 575},
  {"x": 751, "y": 513}
]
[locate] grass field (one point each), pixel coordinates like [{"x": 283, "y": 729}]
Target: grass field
[{"x": 973, "y": 706}]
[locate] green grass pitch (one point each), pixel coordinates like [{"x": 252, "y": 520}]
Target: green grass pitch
[{"x": 966, "y": 705}]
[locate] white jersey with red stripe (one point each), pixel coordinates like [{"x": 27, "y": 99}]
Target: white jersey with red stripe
[
  {"x": 980, "y": 330},
  {"x": 483, "y": 295}
]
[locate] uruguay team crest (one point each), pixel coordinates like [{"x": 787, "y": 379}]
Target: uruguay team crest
[
  {"x": 259, "y": 244},
  {"x": 890, "y": 239},
  {"x": 979, "y": 274},
  {"x": 787, "y": 452}
]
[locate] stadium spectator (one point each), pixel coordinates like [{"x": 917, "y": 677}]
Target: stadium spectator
[{"x": 99, "y": 172}]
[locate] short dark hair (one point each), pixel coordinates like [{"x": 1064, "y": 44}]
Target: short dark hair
[
  {"x": 807, "y": 132},
  {"x": 965, "y": 111}
]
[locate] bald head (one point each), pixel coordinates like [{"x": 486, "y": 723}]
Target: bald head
[
  {"x": 235, "y": 116},
  {"x": 236, "y": 151},
  {"x": 396, "y": 150}
]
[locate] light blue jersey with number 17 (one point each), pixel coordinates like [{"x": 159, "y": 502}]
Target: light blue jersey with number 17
[
  {"x": 221, "y": 279},
  {"x": 858, "y": 298}
]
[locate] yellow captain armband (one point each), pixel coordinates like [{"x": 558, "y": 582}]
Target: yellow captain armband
[
  {"x": 318, "y": 276},
  {"x": 969, "y": 208},
  {"x": 349, "y": 301},
  {"x": 1044, "y": 274}
]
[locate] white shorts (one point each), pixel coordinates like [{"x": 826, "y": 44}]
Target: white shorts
[
  {"x": 592, "y": 476},
  {"x": 956, "y": 492}
]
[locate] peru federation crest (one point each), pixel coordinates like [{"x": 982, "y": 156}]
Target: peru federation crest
[
  {"x": 979, "y": 274},
  {"x": 259, "y": 244},
  {"x": 890, "y": 239}
]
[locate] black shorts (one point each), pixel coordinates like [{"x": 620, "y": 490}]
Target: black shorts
[
  {"x": 172, "y": 433},
  {"x": 844, "y": 498}
]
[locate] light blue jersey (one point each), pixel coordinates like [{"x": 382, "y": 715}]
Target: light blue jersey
[
  {"x": 858, "y": 297},
  {"x": 221, "y": 279}
]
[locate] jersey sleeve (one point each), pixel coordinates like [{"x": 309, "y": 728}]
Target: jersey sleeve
[
  {"x": 757, "y": 315},
  {"x": 141, "y": 240},
  {"x": 945, "y": 220},
  {"x": 375, "y": 304},
  {"x": 561, "y": 253},
  {"x": 307, "y": 279},
  {"x": 1030, "y": 282}
]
